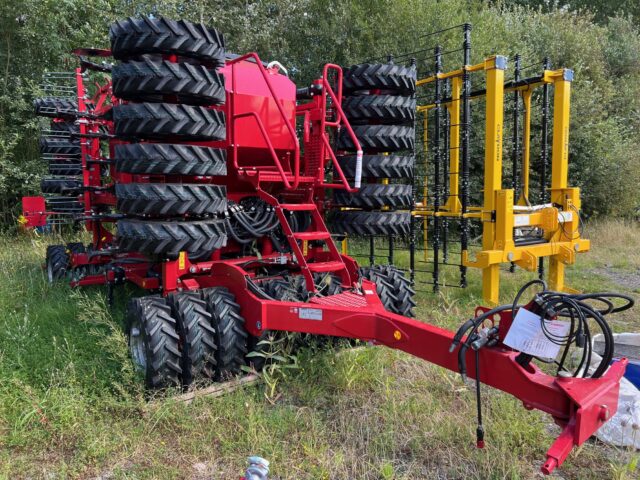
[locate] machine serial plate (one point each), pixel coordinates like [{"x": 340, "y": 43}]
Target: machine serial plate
[{"x": 310, "y": 314}]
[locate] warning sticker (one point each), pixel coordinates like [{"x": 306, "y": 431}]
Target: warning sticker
[
  {"x": 526, "y": 334},
  {"x": 310, "y": 314}
]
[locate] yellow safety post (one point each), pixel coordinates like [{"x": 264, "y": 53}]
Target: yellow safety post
[
  {"x": 526, "y": 147},
  {"x": 495, "y": 68},
  {"x": 560, "y": 165},
  {"x": 453, "y": 204}
]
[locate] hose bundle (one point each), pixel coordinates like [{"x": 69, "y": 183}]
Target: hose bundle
[
  {"x": 252, "y": 218},
  {"x": 553, "y": 305}
]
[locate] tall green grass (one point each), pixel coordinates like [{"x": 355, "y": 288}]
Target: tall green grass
[{"x": 71, "y": 405}]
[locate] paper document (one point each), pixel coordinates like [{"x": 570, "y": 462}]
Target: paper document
[{"x": 526, "y": 335}]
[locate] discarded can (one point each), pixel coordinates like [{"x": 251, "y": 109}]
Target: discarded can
[{"x": 257, "y": 470}]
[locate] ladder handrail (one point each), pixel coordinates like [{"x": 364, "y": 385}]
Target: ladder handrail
[
  {"x": 272, "y": 150},
  {"x": 340, "y": 121},
  {"x": 292, "y": 132}
]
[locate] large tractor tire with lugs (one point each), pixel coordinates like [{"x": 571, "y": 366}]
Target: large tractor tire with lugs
[
  {"x": 65, "y": 167},
  {"x": 402, "y": 289},
  {"x": 133, "y": 37},
  {"x": 197, "y": 337},
  {"x": 57, "y": 262},
  {"x": 61, "y": 186},
  {"x": 353, "y": 222},
  {"x": 375, "y": 195},
  {"x": 64, "y": 205},
  {"x": 390, "y": 78},
  {"x": 393, "y": 288},
  {"x": 154, "y": 341},
  {"x": 379, "y": 166},
  {"x": 230, "y": 333},
  {"x": 390, "y": 109},
  {"x": 169, "y": 159},
  {"x": 171, "y": 199},
  {"x": 56, "y": 107},
  {"x": 167, "y": 120},
  {"x": 149, "y": 80},
  {"x": 65, "y": 128},
  {"x": 168, "y": 238},
  {"x": 69, "y": 148},
  {"x": 379, "y": 138}
]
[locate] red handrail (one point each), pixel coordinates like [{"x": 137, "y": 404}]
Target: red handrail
[
  {"x": 263, "y": 130},
  {"x": 292, "y": 132},
  {"x": 340, "y": 121}
]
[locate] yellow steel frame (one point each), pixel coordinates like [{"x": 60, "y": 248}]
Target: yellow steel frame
[{"x": 560, "y": 222}]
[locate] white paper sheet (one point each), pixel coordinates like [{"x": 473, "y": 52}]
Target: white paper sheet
[{"x": 526, "y": 335}]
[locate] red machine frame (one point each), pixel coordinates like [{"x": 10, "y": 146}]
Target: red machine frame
[{"x": 579, "y": 406}]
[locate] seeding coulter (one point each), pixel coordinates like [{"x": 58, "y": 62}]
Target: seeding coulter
[{"x": 204, "y": 178}]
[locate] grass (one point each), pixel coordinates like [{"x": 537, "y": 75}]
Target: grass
[{"x": 71, "y": 406}]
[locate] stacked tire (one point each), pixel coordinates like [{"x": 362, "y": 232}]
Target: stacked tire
[
  {"x": 380, "y": 106},
  {"x": 60, "y": 149},
  {"x": 167, "y": 76}
]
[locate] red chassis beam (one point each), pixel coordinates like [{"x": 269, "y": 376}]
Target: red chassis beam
[{"x": 580, "y": 405}]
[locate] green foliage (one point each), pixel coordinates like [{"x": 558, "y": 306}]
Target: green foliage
[{"x": 38, "y": 35}]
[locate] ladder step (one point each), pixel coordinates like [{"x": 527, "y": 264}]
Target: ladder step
[
  {"x": 326, "y": 266},
  {"x": 298, "y": 206},
  {"x": 311, "y": 235},
  {"x": 276, "y": 177}
]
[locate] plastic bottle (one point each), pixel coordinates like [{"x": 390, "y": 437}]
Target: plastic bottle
[{"x": 257, "y": 470}]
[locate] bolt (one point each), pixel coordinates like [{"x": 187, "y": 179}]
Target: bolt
[
  {"x": 604, "y": 413},
  {"x": 193, "y": 269},
  {"x": 259, "y": 325}
]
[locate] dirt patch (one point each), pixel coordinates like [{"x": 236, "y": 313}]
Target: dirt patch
[{"x": 628, "y": 280}]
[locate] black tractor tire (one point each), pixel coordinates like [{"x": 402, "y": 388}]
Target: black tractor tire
[
  {"x": 66, "y": 127},
  {"x": 384, "y": 286},
  {"x": 149, "y": 80},
  {"x": 402, "y": 289},
  {"x": 230, "y": 333},
  {"x": 132, "y": 37},
  {"x": 166, "y": 120},
  {"x": 65, "y": 167},
  {"x": 169, "y": 159},
  {"x": 370, "y": 223},
  {"x": 171, "y": 199},
  {"x": 154, "y": 341},
  {"x": 55, "y": 107},
  {"x": 388, "y": 77},
  {"x": 393, "y": 288},
  {"x": 280, "y": 289},
  {"x": 70, "y": 148},
  {"x": 379, "y": 166},
  {"x": 83, "y": 271},
  {"x": 379, "y": 138},
  {"x": 76, "y": 247},
  {"x": 327, "y": 283},
  {"x": 61, "y": 186},
  {"x": 375, "y": 196},
  {"x": 388, "y": 109},
  {"x": 57, "y": 262},
  {"x": 64, "y": 205},
  {"x": 197, "y": 336},
  {"x": 168, "y": 238}
]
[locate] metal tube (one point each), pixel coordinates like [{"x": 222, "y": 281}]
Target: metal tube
[
  {"x": 412, "y": 220},
  {"x": 466, "y": 153},
  {"x": 515, "y": 153},
  {"x": 544, "y": 151},
  {"x": 437, "y": 158},
  {"x": 372, "y": 250}
]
